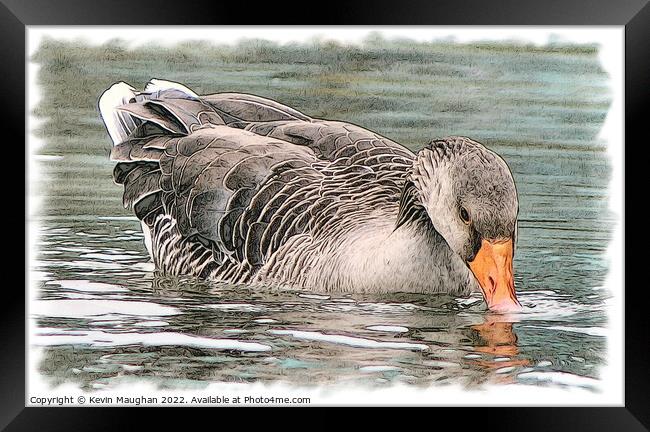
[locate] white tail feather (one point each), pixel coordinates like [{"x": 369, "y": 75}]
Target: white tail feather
[{"x": 118, "y": 124}]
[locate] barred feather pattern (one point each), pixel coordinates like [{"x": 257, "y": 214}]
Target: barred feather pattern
[
  {"x": 241, "y": 189},
  {"x": 295, "y": 214},
  {"x": 177, "y": 255}
]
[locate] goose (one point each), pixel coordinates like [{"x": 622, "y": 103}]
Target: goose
[{"x": 241, "y": 189}]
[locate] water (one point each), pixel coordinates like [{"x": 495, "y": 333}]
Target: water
[{"x": 104, "y": 316}]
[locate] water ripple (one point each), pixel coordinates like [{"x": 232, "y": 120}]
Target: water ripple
[
  {"x": 96, "y": 338},
  {"x": 348, "y": 340}
]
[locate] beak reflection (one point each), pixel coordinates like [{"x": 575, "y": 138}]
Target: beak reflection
[{"x": 497, "y": 338}]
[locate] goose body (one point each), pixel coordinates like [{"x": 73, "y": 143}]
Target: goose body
[{"x": 241, "y": 189}]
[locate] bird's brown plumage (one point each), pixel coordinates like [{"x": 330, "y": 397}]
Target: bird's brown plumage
[
  {"x": 242, "y": 189},
  {"x": 242, "y": 176}
]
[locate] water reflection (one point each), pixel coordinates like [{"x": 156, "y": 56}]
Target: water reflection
[
  {"x": 497, "y": 337},
  {"x": 121, "y": 319}
]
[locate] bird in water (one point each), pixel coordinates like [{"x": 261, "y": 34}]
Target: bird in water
[{"x": 237, "y": 188}]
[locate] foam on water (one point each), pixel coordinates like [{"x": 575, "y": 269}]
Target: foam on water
[
  {"x": 349, "y": 340},
  {"x": 94, "y": 265},
  {"x": 85, "y": 234},
  {"x": 472, "y": 356},
  {"x": 378, "y": 368},
  {"x": 558, "y": 378},
  {"x": 109, "y": 257},
  {"x": 314, "y": 296},
  {"x": 541, "y": 305},
  {"x": 56, "y": 230},
  {"x": 47, "y": 158},
  {"x": 40, "y": 276},
  {"x": 76, "y": 249},
  {"x": 86, "y": 285},
  {"x": 240, "y": 307},
  {"x": 94, "y": 308},
  {"x": 97, "y": 338},
  {"x": 136, "y": 236},
  {"x": 131, "y": 368},
  {"x": 105, "y": 323},
  {"x": 388, "y": 329},
  {"x": 145, "y": 266},
  {"x": 151, "y": 324},
  {"x": 79, "y": 296}
]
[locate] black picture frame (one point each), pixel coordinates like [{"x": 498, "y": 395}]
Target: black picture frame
[{"x": 15, "y": 15}]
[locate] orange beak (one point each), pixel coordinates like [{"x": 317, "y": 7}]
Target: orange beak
[{"x": 492, "y": 267}]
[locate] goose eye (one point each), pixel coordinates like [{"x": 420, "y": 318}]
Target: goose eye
[{"x": 464, "y": 215}]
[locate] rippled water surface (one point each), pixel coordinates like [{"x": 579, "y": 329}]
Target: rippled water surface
[{"x": 104, "y": 316}]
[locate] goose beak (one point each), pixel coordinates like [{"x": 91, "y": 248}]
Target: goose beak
[{"x": 492, "y": 267}]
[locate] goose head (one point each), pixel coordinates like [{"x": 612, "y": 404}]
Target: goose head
[{"x": 468, "y": 193}]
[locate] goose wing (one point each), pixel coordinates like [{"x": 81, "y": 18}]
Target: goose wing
[
  {"x": 337, "y": 141},
  {"x": 240, "y": 109},
  {"x": 235, "y": 172},
  {"x": 330, "y": 140},
  {"x": 206, "y": 181}
]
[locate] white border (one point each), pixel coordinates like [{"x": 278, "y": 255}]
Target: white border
[{"x": 611, "y": 41}]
